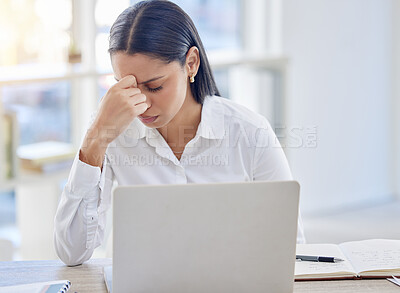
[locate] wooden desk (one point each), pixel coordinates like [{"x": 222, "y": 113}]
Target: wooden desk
[{"x": 89, "y": 278}]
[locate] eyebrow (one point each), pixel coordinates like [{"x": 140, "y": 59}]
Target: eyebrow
[{"x": 147, "y": 81}]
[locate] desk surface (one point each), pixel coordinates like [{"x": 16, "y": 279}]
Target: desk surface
[{"x": 89, "y": 278}]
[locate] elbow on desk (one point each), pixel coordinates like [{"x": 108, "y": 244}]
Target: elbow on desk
[
  {"x": 72, "y": 264},
  {"x": 68, "y": 256},
  {"x": 69, "y": 259}
]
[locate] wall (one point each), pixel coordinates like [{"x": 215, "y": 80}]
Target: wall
[
  {"x": 340, "y": 82},
  {"x": 396, "y": 95}
]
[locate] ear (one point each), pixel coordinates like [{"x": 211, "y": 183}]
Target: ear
[{"x": 192, "y": 61}]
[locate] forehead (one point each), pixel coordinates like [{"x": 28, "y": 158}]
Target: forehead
[{"x": 143, "y": 67}]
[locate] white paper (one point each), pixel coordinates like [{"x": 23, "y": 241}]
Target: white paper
[
  {"x": 372, "y": 255},
  {"x": 394, "y": 280},
  {"x": 310, "y": 267}
]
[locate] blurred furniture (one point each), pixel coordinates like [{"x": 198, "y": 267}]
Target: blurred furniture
[
  {"x": 36, "y": 203},
  {"x": 89, "y": 278},
  {"x": 6, "y": 250}
]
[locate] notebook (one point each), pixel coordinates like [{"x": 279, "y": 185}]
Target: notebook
[
  {"x": 220, "y": 237},
  {"x": 59, "y": 286},
  {"x": 374, "y": 258}
]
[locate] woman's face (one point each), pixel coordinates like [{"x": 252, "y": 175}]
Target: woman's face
[{"x": 166, "y": 86}]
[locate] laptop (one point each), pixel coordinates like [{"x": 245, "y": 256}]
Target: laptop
[{"x": 219, "y": 237}]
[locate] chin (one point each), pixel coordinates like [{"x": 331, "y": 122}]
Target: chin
[
  {"x": 156, "y": 124},
  {"x": 160, "y": 124}
]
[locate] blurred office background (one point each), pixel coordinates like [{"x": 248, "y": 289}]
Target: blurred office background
[{"x": 324, "y": 72}]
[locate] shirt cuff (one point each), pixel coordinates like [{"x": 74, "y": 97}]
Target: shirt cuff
[
  {"x": 103, "y": 173},
  {"x": 83, "y": 177}
]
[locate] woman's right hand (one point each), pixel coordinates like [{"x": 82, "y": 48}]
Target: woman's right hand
[{"x": 122, "y": 103}]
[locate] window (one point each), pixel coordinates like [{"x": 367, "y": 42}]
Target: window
[
  {"x": 34, "y": 31},
  {"x": 35, "y": 41},
  {"x": 218, "y": 22},
  {"x": 43, "y": 114}
]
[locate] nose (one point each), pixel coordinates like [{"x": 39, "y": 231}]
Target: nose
[{"x": 148, "y": 102}]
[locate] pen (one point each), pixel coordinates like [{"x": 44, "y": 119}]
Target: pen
[{"x": 318, "y": 258}]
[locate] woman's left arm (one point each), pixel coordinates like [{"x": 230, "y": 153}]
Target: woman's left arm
[{"x": 270, "y": 164}]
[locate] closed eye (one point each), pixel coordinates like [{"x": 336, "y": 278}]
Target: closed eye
[{"x": 154, "y": 89}]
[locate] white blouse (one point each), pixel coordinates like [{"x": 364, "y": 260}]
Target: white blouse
[{"x": 232, "y": 144}]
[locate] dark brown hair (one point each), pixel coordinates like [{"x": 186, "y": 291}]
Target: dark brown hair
[{"x": 161, "y": 29}]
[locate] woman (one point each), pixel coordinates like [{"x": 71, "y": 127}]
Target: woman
[{"x": 185, "y": 132}]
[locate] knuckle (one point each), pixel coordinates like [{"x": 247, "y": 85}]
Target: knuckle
[
  {"x": 121, "y": 96},
  {"x": 111, "y": 90},
  {"x": 114, "y": 91},
  {"x": 137, "y": 99},
  {"x": 130, "y": 79},
  {"x": 127, "y": 103},
  {"x": 130, "y": 92},
  {"x": 124, "y": 93},
  {"x": 132, "y": 111},
  {"x": 141, "y": 97},
  {"x": 115, "y": 87},
  {"x": 126, "y": 78},
  {"x": 140, "y": 108}
]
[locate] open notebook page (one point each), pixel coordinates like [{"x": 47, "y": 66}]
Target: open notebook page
[
  {"x": 373, "y": 255},
  {"x": 302, "y": 268}
]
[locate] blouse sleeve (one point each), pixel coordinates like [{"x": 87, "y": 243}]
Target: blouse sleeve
[
  {"x": 80, "y": 218},
  {"x": 270, "y": 164}
]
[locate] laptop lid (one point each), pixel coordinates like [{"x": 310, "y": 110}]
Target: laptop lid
[{"x": 219, "y": 237}]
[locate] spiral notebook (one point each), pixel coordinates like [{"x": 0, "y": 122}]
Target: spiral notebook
[{"x": 59, "y": 286}]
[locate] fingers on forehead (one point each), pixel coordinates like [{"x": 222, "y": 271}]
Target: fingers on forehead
[{"x": 128, "y": 81}]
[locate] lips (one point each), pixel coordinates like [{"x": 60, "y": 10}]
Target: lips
[{"x": 148, "y": 119}]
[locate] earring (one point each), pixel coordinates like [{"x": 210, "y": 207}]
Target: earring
[{"x": 192, "y": 79}]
